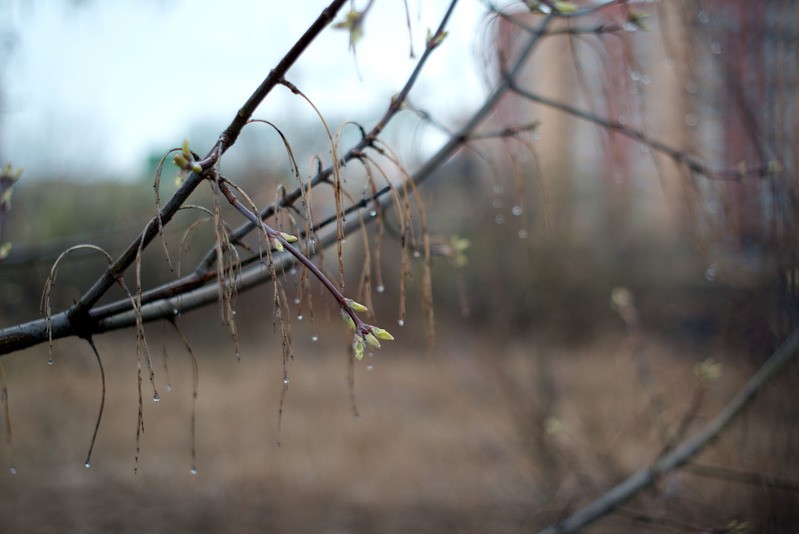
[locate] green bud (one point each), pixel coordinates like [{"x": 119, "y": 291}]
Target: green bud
[
  {"x": 371, "y": 340},
  {"x": 277, "y": 244},
  {"x": 356, "y": 306},
  {"x": 565, "y": 7},
  {"x": 5, "y": 250},
  {"x": 186, "y": 149},
  {"x": 380, "y": 333},
  {"x": 197, "y": 168},
  {"x": 288, "y": 237},
  {"x": 357, "y": 347},
  {"x": 181, "y": 161},
  {"x": 347, "y": 319}
]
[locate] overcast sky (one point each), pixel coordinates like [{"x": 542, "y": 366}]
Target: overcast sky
[{"x": 101, "y": 85}]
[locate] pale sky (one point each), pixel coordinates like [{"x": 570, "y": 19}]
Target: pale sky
[{"x": 99, "y": 85}]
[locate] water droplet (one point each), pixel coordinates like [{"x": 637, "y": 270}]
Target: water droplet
[
  {"x": 629, "y": 26},
  {"x": 635, "y": 75},
  {"x": 369, "y": 366},
  {"x": 293, "y": 271},
  {"x": 416, "y": 254},
  {"x": 715, "y": 48},
  {"x": 296, "y": 300},
  {"x": 496, "y": 203},
  {"x": 622, "y": 118},
  {"x": 87, "y": 465},
  {"x": 373, "y": 213},
  {"x": 299, "y": 317},
  {"x": 703, "y": 17},
  {"x": 50, "y": 362},
  {"x": 193, "y": 470},
  {"x": 168, "y": 388},
  {"x": 381, "y": 288},
  {"x": 646, "y": 79},
  {"x": 234, "y": 313},
  {"x": 343, "y": 241},
  {"x": 175, "y": 311},
  {"x": 691, "y": 120},
  {"x": 12, "y": 471},
  {"x": 522, "y": 234},
  {"x": 401, "y": 322},
  {"x": 499, "y": 219},
  {"x": 618, "y": 177},
  {"x": 711, "y": 272},
  {"x": 517, "y": 211},
  {"x": 314, "y": 338},
  {"x": 156, "y": 397},
  {"x": 498, "y": 189},
  {"x": 286, "y": 381},
  {"x": 238, "y": 355},
  {"x": 713, "y": 206},
  {"x": 690, "y": 86}
]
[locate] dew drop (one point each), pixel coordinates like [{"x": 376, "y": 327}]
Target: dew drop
[
  {"x": 369, "y": 366},
  {"x": 517, "y": 211},
  {"x": 499, "y": 219},
  {"x": 175, "y": 311},
  {"x": 715, "y": 48},
  {"x": 296, "y": 300},
  {"x": 234, "y": 313},
  {"x": 50, "y": 362},
  {"x": 293, "y": 271},
  {"x": 381, "y": 288},
  {"x": 193, "y": 470},
  {"x": 522, "y": 234},
  {"x": 314, "y": 338},
  {"x": 711, "y": 272},
  {"x": 373, "y": 213},
  {"x": 168, "y": 388},
  {"x": 87, "y": 465},
  {"x": 691, "y": 120},
  {"x": 401, "y": 322},
  {"x": 496, "y": 203},
  {"x": 343, "y": 241},
  {"x": 156, "y": 398},
  {"x": 286, "y": 381},
  {"x": 646, "y": 79},
  {"x": 299, "y": 317},
  {"x": 635, "y": 75},
  {"x": 703, "y": 17},
  {"x": 629, "y": 27},
  {"x": 416, "y": 254},
  {"x": 690, "y": 86},
  {"x": 12, "y": 471},
  {"x": 497, "y": 189}
]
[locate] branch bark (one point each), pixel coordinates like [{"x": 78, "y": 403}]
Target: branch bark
[{"x": 689, "y": 448}]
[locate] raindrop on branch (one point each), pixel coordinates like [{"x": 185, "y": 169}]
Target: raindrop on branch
[
  {"x": 156, "y": 397},
  {"x": 381, "y": 288},
  {"x": 401, "y": 322},
  {"x": 517, "y": 211},
  {"x": 299, "y": 317},
  {"x": 703, "y": 17},
  {"x": 193, "y": 470},
  {"x": 286, "y": 381},
  {"x": 314, "y": 338},
  {"x": 522, "y": 234},
  {"x": 711, "y": 272},
  {"x": 12, "y": 471},
  {"x": 87, "y": 465}
]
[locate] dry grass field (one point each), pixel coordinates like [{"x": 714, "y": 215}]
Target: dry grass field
[{"x": 475, "y": 438}]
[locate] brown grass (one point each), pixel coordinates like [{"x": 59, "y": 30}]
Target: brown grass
[{"x": 449, "y": 444}]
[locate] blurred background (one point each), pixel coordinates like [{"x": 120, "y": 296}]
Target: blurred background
[{"x": 610, "y": 301}]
